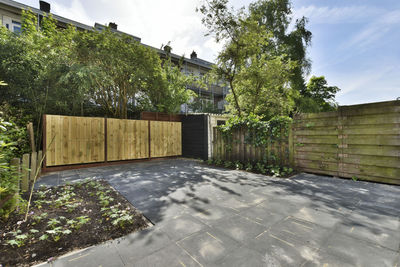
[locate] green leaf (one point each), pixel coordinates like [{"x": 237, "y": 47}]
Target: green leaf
[
  {"x": 43, "y": 237},
  {"x": 67, "y": 232},
  {"x": 12, "y": 242}
]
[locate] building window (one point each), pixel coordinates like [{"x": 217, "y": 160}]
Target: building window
[
  {"x": 16, "y": 26},
  {"x": 16, "y": 29}
]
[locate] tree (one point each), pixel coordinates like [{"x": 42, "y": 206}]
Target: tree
[
  {"x": 258, "y": 78},
  {"x": 291, "y": 41},
  {"x": 318, "y": 96},
  {"x": 174, "y": 91},
  {"x": 117, "y": 69}
]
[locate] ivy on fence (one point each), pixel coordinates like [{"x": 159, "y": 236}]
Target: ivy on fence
[{"x": 259, "y": 132}]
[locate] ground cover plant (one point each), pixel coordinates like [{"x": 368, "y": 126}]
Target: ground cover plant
[
  {"x": 262, "y": 167},
  {"x": 65, "y": 218}
]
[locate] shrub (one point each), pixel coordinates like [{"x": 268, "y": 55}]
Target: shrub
[
  {"x": 228, "y": 164},
  {"x": 260, "y": 167},
  {"x": 10, "y": 136},
  {"x": 239, "y": 165},
  {"x": 249, "y": 167}
]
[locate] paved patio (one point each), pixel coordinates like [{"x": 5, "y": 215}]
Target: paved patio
[{"x": 206, "y": 216}]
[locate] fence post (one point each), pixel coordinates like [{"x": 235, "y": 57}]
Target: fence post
[
  {"x": 29, "y": 126},
  {"x": 44, "y": 148},
  {"x": 33, "y": 167},
  {"x": 291, "y": 145},
  {"x": 105, "y": 139},
  {"x": 149, "y": 136},
  {"x": 25, "y": 173}
]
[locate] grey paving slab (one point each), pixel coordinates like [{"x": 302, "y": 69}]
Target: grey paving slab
[
  {"x": 281, "y": 251},
  {"x": 263, "y": 216},
  {"x": 301, "y": 231},
  {"x": 207, "y": 216},
  {"x": 139, "y": 245},
  {"x": 374, "y": 233},
  {"x": 358, "y": 252},
  {"x": 181, "y": 226},
  {"x": 172, "y": 255},
  {"x": 244, "y": 257},
  {"x": 239, "y": 228},
  {"x": 208, "y": 247},
  {"x": 324, "y": 218},
  {"x": 101, "y": 255}
]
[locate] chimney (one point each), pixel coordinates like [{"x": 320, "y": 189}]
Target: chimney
[
  {"x": 44, "y": 6},
  {"x": 113, "y": 25},
  {"x": 167, "y": 49},
  {"x": 193, "y": 55}
]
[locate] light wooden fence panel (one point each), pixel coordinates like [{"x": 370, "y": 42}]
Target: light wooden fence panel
[
  {"x": 359, "y": 141},
  {"x": 73, "y": 140},
  {"x": 127, "y": 139},
  {"x": 78, "y": 140},
  {"x": 165, "y": 138}
]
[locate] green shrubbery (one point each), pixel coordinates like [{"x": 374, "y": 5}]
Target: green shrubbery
[
  {"x": 12, "y": 145},
  {"x": 258, "y": 167},
  {"x": 259, "y": 131}
]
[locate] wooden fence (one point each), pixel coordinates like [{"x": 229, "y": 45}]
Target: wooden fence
[
  {"x": 83, "y": 140},
  {"x": 237, "y": 149},
  {"x": 127, "y": 139},
  {"x": 359, "y": 141},
  {"x": 159, "y": 116},
  {"x": 165, "y": 138},
  {"x": 27, "y": 168},
  {"x": 76, "y": 140}
]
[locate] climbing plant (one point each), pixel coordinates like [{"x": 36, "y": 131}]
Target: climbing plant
[{"x": 258, "y": 131}]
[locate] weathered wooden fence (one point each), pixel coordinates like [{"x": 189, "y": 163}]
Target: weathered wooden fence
[
  {"x": 26, "y": 168},
  {"x": 359, "y": 141},
  {"x": 237, "y": 149},
  {"x": 81, "y": 140}
]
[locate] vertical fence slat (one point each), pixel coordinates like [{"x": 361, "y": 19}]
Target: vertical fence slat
[
  {"x": 25, "y": 172},
  {"x": 39, "y": 159},
  {"x": 32, "y": 167}
]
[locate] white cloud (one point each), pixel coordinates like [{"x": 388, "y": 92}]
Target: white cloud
[
  {"x": 155, "y": 21},
  {"x": 74, "y": 11},
  {"x": 334, "y": 15},
  {"x": 370, "y": 85},
  {"x": 375, "y": 30}
]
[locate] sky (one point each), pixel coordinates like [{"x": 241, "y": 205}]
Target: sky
[{"x": 355, "y": 43}]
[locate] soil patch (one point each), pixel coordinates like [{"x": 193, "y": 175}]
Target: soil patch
[{"x": 65, "y": 218}]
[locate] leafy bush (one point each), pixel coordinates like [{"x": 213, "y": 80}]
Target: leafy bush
[
  {"x": 10, "y": 138},
  {"x": 260, "y": 132},
  {"x": 228, "y": 164},
  {"x": 239, "y": 165},
  {"x": 261, "y": 168},
  {"x": 249, "y": 167},
  {"x": 218, "y": 162}
]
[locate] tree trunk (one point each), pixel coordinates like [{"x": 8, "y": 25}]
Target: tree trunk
[{"x": 235, "y": 97}]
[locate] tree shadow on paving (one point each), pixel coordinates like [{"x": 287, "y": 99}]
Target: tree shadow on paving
[{"x": 164, "y": 188}]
